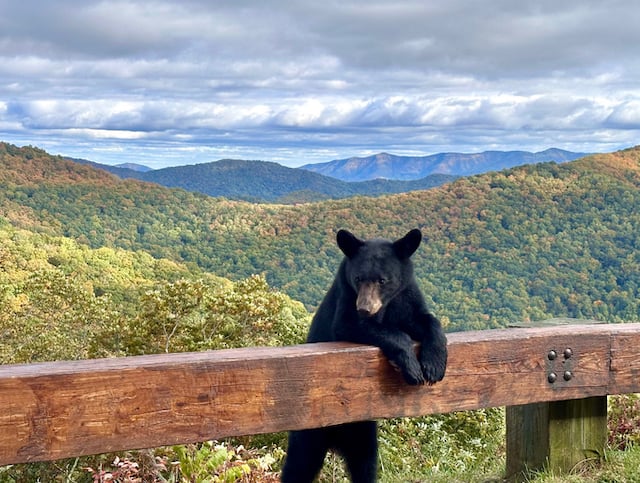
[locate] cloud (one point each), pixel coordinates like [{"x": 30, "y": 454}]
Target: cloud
[
  {"x": 626, "y": 115},
  {"x": 297, "y": 81}
]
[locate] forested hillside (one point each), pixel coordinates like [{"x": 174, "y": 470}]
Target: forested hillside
[
  {"x": 526, "y": 243},
  {"x": 62, "y": 300}
]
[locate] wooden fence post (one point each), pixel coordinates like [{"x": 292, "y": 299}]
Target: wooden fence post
[{"x": 556, "y": 435}]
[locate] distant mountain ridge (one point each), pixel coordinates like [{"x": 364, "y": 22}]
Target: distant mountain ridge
[
  {"x": 390, "y": 166},
  {"x": 135, "y": 167},
  {"x": 264, "y": 181},
  {"x": 261, "y": 181}
]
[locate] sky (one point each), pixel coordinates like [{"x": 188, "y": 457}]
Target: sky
[{"x": 172, "y": 82}]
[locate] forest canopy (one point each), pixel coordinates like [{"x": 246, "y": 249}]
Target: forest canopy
[{"x": 62, "y": 300}]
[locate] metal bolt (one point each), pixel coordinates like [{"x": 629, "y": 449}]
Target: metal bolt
[
  {"x": 552, "y": 377},
  {"x": 568, "y": 353},
  {"x": 552, "y": 355},
  {"x": 567, "y": 375}
]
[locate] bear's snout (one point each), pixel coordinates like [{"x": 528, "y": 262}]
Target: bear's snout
[{"x": 368, "y": 302}]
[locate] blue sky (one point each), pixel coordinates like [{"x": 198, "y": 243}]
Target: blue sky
[{"x": 164, "y": 83}]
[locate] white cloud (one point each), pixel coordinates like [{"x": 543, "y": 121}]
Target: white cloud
[
  {"x": 105, "y": 134},
  {"x": 626, "y": 115},
  {"x": 303, "y": 79}
]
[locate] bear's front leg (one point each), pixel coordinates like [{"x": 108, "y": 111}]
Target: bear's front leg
[
  {"x": 433, "y": 353},
  {"x": 433, "y": 360},
  {"x": 425, "y": 328},
  {"x": 403, "y": 357},
  {"x": 397, "y": 346}
]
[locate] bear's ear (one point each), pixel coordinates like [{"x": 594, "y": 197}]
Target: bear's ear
[
  {"x": 408, "y": 244},
  {"x": 348, "y": 243}
]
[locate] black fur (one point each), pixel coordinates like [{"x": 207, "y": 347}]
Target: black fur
[{"x": 374, "y": 300}]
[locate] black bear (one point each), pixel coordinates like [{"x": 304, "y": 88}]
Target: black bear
[{"x": 374, "y": 300}]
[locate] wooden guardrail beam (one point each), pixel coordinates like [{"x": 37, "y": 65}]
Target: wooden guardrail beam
[{"x": 63, "y": 409}]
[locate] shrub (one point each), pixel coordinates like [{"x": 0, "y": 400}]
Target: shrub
[{"x": 624, "y": 421}]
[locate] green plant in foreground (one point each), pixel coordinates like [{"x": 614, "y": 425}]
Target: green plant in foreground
[{"x": 211, "y": 462}]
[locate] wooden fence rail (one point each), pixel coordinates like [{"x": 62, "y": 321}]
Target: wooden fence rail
[{"x": 64, "y": 409}]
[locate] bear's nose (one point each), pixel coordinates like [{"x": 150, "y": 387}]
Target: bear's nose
[
  {"x": 365, "y": 312},
  {"x": 368, "y": 302}
]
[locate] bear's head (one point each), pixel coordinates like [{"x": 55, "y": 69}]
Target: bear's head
[{"x": 377, "y": 270}]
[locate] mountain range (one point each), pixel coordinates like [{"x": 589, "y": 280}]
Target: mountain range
[
  {"x": 527, "y": 243},
  {"x": 390, "y": 166},
  {"x": 261, "y": 181}
]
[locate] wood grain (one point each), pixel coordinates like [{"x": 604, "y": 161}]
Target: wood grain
[{"x": 63, "y": 409}]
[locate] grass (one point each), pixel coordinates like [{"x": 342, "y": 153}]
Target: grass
[{"x": 618, "y": 467}]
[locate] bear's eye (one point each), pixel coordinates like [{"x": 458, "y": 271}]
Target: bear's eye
[
  {"x": 356, "y": 279},
  {"x": 382, "y": 281}
]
